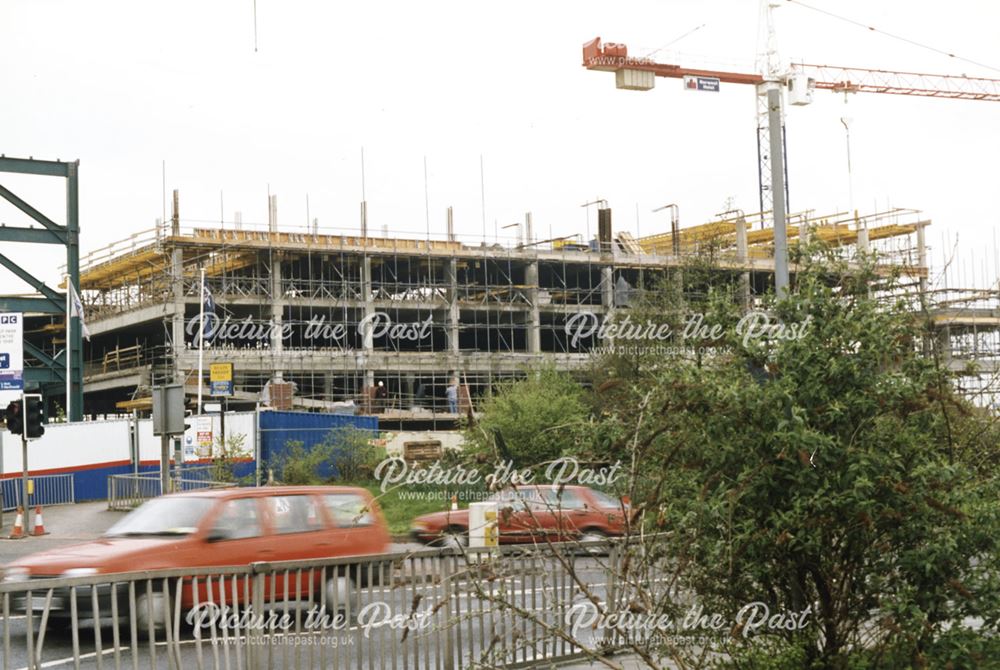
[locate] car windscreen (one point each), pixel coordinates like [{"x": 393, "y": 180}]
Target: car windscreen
[{"x": 163, "y": 517}]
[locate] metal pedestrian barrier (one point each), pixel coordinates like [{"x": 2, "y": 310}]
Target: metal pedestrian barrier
[
  {"x": 48, "y": 490},
  {"x": 435, "y": 608},
  {"x": 126, "y": 492}
]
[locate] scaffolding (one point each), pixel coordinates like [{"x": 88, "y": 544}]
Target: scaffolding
[{"x": 319, "y": 309}]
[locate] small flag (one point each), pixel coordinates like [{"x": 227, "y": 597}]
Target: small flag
[
  {"x": 76, "y": 309},
  {"x": 209, "y": 301}
]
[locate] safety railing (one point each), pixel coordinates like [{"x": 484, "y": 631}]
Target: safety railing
[
  {"x": 126, "y": 492},
  {"x": 436, "y": 608},
  {"x": 45, "y": 490}
]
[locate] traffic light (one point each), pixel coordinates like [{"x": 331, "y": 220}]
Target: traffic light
[
  {"x": 14, "y": 418},
  {"x": 34, "y": 415}
]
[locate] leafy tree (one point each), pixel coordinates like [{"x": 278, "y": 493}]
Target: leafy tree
[
  {"x": 835, "y": 470},
  {"x": 539, "y": 418}
]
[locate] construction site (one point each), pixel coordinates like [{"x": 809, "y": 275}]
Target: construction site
[
  {"x": 338, "y": 319},
  {"x": 327, "y": 318}
]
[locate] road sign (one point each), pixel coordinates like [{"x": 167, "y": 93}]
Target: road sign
[
  {"x": 220, "y": 377},
  {"x": 692, "y": 83},
  {"x": 11, "y": 351},
  {"x": 168, "y": 410}
]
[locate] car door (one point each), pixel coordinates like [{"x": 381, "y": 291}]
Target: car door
[
  {"x": 236, "y": 536},
  {"x": 524, "y": 515},
  {"x": 569, "y": 510},
  {"x": 298, "y": 532},
  {"x": 356, "y": 531}
]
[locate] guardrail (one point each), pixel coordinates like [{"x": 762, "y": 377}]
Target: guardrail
[
  {"x": 436, "y": 608},
  {"x": 48, "y": 490},
  {"x": 125, "y": 492}
]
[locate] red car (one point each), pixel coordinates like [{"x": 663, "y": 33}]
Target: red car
[
  {"x": 221, "y": 527},
  {"x": 532, "y": 514}
]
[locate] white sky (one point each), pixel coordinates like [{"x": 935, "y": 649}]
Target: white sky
[{"x": 124, "y": 86}]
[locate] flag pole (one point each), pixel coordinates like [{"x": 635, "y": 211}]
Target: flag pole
[
  {"x": 201, "y": 336},
  {"x": 69, "y": 349}
]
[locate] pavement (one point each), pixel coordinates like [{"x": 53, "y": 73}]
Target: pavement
[{"x": 66, "y": 524}]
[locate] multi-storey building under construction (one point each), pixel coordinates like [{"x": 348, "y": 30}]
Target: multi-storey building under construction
[{"x": 341, "y": 315}]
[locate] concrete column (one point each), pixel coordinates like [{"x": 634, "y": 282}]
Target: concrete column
[
  {"x": 743, "y": 257},
  {"x": 451, "y": 274},
  {"x": 272, "y": 213},
  {"x": 607, "y": 288},
  {"x": 177, "y": 321},
  {"x": 277, "y": 311},
  {"x": 922, "y": 255},
  {"x": 535, "y": 322},
  {"x": 368, "y": 342},
  {"x": 863, "y": 246}
]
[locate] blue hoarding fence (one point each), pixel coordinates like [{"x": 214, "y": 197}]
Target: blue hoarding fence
[{"x": 281, "y": 431}]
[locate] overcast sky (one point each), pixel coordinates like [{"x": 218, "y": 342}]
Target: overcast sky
[{"x": 124, "y": 86}]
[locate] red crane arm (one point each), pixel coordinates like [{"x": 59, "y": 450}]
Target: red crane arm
[
  {"x": 612, "y": 57},
  {"x": 860, "y": 80}
]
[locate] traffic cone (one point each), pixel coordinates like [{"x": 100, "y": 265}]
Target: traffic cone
[
  {"x": 17, "y": 532},
  {"x": 454, "y": 503},
  {"x": 39, "y": 524}
]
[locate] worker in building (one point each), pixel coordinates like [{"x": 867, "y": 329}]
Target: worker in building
[
  {"x": 381, "y": 394},
  {"x": 452, "y": 394}
]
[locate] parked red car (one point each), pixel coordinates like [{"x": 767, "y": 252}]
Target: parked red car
[
  {"x": 532, "y": 514},
  {"x": 221, "y": 527}
]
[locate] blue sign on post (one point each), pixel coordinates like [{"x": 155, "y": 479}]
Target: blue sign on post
[
  {"x": 11, "y": 351},
  {"x": 221, "y": 388}
]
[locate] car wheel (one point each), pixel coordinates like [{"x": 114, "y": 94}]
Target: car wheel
[
  {"x": 342, "y": 596},
  {"x": 593, "y": 535},
  {"x": 150, "y": 608},
  {"x": 455, "y": 536}
]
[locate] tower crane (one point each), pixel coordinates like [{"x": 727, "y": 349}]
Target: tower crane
[{"x": 639, "y": 73}]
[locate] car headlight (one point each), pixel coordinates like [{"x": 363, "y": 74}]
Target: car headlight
[
  {"x": 16, "y": 575},
  {"x": 419, "y": 525},
  {"x": 79, "y": 572}
]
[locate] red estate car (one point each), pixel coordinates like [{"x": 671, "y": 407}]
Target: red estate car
[
  {"x": 221, "y": 527},
  {"x": 532, "y": 514}
]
